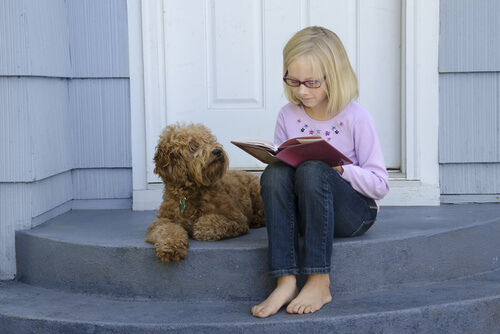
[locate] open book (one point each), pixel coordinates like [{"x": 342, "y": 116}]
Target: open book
[{"x": 293, "y": 151}]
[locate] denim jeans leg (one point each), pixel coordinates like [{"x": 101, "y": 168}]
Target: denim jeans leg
[
  {"x": 354, "y": 213},
  {"x": 328, "y": 207},
  {"x": 280, "y": 208},
  {"x": 315, "y": 203}
]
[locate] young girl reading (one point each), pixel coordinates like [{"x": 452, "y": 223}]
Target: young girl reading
[{"x": 314, "y": 200}]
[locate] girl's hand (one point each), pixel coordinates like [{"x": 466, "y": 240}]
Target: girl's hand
[{"x": 339, "y": 169}]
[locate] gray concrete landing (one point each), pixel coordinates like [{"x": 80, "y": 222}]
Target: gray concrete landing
[{"x": 418, "y": 270}]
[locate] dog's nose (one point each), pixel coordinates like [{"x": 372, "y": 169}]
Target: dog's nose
[{"x": 217, "y": 152}]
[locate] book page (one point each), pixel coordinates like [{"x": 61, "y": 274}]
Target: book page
[
  {"x": 308, "y": 140},
  {"x": 256, "y": 141},
  {"x": 262, "y": 155}
]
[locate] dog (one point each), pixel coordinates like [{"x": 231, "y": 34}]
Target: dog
[{"x": 202, "y": 198}]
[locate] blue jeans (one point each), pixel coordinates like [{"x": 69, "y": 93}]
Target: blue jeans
[{"x": 314, "y": 201}]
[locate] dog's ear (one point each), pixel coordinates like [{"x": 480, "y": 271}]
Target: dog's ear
[
  {"x": 161, "y": 162},
  {"x": 162, "y": 155},
  {"x": 169, "y": 165}
]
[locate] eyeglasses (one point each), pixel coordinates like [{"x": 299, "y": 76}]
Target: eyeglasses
[{"x": 296, "y": 83}]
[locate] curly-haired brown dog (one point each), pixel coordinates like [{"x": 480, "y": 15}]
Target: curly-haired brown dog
[{"x": 202, "y": 198}]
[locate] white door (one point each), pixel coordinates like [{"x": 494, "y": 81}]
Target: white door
[{"x": 223, "y": 65}]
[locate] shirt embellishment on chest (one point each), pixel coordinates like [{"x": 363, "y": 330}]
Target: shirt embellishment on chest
[{"x": 327, "y": 133}]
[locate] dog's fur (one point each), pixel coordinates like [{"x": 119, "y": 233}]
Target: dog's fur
[{"x": 219, "y": 203}]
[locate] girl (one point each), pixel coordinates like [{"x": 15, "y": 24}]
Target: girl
[{"x": 315, "y": 200}]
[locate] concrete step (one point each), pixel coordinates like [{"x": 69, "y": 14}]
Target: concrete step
[
  {"x": 470, "y": 305},
  {"x": 104, "y": 253}
]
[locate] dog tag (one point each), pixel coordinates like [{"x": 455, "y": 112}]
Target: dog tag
[{"x": 182, "y": 205}]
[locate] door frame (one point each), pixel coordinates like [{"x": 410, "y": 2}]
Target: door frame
[{"x": 417, "y": 183}]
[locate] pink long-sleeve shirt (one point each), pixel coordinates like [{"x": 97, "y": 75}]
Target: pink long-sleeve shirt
[{"x": 353, "y": 132}]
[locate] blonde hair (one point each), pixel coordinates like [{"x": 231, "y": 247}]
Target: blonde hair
[{"x": 328, "y": 59}]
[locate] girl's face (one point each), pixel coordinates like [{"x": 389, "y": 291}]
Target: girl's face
[{"x": 313, "y": 98}]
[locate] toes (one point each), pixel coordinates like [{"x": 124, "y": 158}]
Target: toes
[
  {"x": 301, "y": 309},
  {"x": 259, "y": 312},
  {"x": 308, "y": 309},
  {"x": 263, "y": 311}
]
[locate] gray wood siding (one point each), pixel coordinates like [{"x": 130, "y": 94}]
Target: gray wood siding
[
  {"x": 15, "y": 147},
  {"x": 469, "y": 117},
  {"x": 15, "y": 214},
  {"x": 98, "y": 34},
  {"x": 469, "y": 120},
  {"x": 34, "y": 38},
  {"x": 50, "y": 193},
  {"x": 48, "y": 127},
  {"x": 64, "y": 38},
  {"x": 100, "y": 110},
  {"x": 52, "y": 125},
  {"x": 102, "y": 183},
  {"x": 64, "y": 112},
  {"x": 469, "y": 40},
  {"x": 477, "y": 178}
]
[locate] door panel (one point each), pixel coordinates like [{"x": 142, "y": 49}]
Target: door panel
[{"x": 223, "y": 61}]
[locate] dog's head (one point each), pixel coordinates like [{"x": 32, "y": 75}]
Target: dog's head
[{"x": 189, "y": 155}]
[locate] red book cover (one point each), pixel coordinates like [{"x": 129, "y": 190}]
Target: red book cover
[{"x": 294, "y": 151}]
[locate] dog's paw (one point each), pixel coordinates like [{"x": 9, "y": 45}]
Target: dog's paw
[{"x": 167, "y": 252}]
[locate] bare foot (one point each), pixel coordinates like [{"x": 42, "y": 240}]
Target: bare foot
[
  {"x": 286, "y": 290},
  {"x": 312, "y": 297}
]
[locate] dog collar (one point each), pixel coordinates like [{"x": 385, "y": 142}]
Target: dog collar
[{"x": 182, "y": 205}]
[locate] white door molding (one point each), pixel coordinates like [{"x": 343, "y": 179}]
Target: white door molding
[
  {"x": 419, "y": 182},
  {"x": 147, "y": 94}
]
